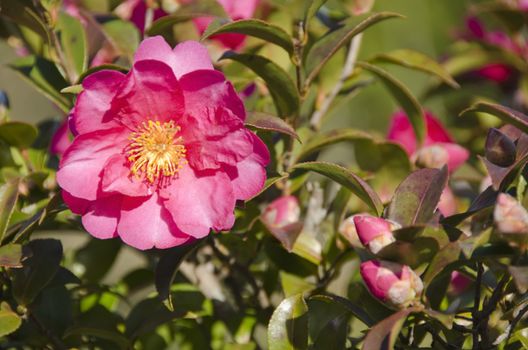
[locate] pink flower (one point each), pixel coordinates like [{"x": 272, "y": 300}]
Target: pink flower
[
  {"x": 392, "y": 283},
  {"x": 281, "y": 217},
  {"x": 438, "y": 148},
  {"x": 374, "y": 233},
  {"x": 161, "y": 154},
  {"x": 60, "y": 140},
  {"x": 497, "y": 72},
  {"x": 447, "y": 204},
  {"x": 459, "y": 283},
  {"x": 135, "y": 11},
  {"x": 510, "y": 216}
]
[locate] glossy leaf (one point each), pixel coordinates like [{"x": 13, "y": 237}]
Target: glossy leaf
[
  {"x": 8, "y": 201},
  {"x": 324, "y": 48},
  {"x": 74, "y": 44},
  {"x": 387, "y": 331},
  {"x": 348, "y": 179},
  {"x": 268, "y": 122},
  {"x": 417, "y": 197},
  {"x": 417, "y": 60},
  {"x": 252, "y": 27},
  {"x": 281, "y": 86},
  {"x": 506, "y": 114},
  {"x": 167, "y": 269},
  {"x": 37, "y": 271},
  {"x": 18, "y": 134},
  {"x": 288, "y": 326},
  {"x": 403, "y": 96},
  {"x": 9, "y": 320},
  {"x": 11, "y": 255}
]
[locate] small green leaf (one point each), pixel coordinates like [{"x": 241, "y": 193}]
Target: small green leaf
[
  {"x": 329, "y": 44},
  {"x": 252, "y": 27},
  {"x": 18, "y": 134},
  {"x": 37, "y": 271},
  {"x": 417, "y": 60},
  {"x": 9, "y": 320},
  {"x": 167, "y": 269},
  {"x": 348, "y": 179},
  {"x": 8, "y": 201},
  {"x": 74, "y": 44},
  {"x": 119, "y": 339},
  {"x": 11, "y": 255},
  {"x": 288, "y": 326},
  {"x": 388, "y": 328},
  {"x": 417, "y": 197},
  {"x": 281, "y": 86},
  {"x": 268, "y": 122},
  {"x": 403, "y": 96},
  {"x": 507, "y": 115},
  {"x": 74, "y": 89},
  {"x": 124, "y": 35}
]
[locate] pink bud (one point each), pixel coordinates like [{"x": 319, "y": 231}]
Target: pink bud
[
  {"x": 440, "y": 154},
  {"x": 510, "y": 216},
  {"x": 496, "y": 72},
  {"x": 375, "y": 233},
  {"x": 392, "y": 283},
  {"x": 459, "y": 283},
  {"x": 447, "y": 204},
  {"x": 281, "y": 217}
]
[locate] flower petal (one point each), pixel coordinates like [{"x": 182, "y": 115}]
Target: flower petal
[
  {"x": 199, "y": 203},
  {"x": 117, "y": 178},
  {"x": 101, "y": 218},
  {"x": 93, "y": 103},
  {"x": 81, "y": 166},
  {"x": 144, "y": 223},
  {"x": 76, "y": 205}
]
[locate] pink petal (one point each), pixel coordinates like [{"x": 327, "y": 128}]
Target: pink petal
[
  {"x": 145, "y": 223},
  {"x": 101, "y": 218},
  {"x": 237, "y": 9},
  {"x": 199, "y": 203},
  {"x": 81, "y": 166},
  {"x": 93, "y": 103},
  {"x": 150, "y": 92},
  {"x": 76, "y": 205},
  {"x": 369, "y": 227},
  {"x": 447, "y": 204},
  {"x": 60, "y": 140},
  {"x": 209, "y": 89},
  {"x": 117, "y": 178},
  {"x": 457, "y": 155}
]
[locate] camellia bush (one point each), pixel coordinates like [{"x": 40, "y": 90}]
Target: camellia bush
[{"x": 196, "y": 192}]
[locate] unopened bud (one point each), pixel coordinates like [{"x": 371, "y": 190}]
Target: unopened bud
[
  {"x": 281, "y": 217},
  {"x": 510, "y": 216},
  {"x": 375, "y": 233},
  {"x": 440, "y": 154}
]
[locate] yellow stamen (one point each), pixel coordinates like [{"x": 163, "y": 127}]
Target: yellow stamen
[{"x": 155, "y": 150}]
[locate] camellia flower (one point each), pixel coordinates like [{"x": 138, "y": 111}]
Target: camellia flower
[
  {"x": 374, "y": 233},
  {"x": 161, "y": 154},
  {"x": 392, "y": 283},
  {"x": 281, "y": 217},
  {"x": 60, "y": 140}
]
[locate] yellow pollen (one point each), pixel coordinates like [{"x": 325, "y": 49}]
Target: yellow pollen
[{"x": 155, "y": 150}]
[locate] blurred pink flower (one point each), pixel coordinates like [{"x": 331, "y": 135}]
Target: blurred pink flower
[
  {"x": 510, "y": 216},
  {"x": 497, "y": 72},
  {"x": 447, "y": 204},
  {"x": 459, "y": 283},
  {"x": 281, "y": 217},
  {"x": 161, "y": 154},
  {"x": 373, "y": 232},
  {"x": 135, "y": 11},
  {"x": 60, "y": 141},
  {"x": 392, "y": 283}
]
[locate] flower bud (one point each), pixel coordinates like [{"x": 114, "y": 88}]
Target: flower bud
[
  {"x": 510, "y": 216},
  {"x": 459, "y": 283},
  {"x": 440, "y": 154},
  {"x": 281, "y": 217},
  {"x": 392, "y": 283},
  {"x": 375, "y": 233},
  {"x": 447, "y": 204}
]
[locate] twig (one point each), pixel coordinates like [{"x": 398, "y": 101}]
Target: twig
[
  {"x": 348, "y": 68},
  {"x": 476, "y": 306}
]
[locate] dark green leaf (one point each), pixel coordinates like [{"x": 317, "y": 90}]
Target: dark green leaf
[
  {"x": 419, "y": 61},
  {"x": 97, "y": 257},
  {"x": 403, "y": 96},
  {"x": 413, "y": 254},
  {"x": 11, "y": 255},
  {"x": 167, "y": 269},
  {"x": 328, "y": 45},
  {"x": 348, "y": 179},
  {"x": 357, "y": 310},
  {"x": 417, "y": 197},
  {"x": 9, "y": 320},
  {"x": 252, "y": 27},
  {"x": 24, "y": 12},
  {"x": 484, "y": 200},
  {"x": 288, "y": 326},
  {"x": 331, "y": 328},
  {"x": 74, "y": 45},
  {"x": 119, "y": 339},
  {"x": 445, "y": 256},
  {"x": 281, "y": 86},
  {"x": 264, "y": 121},
  {"x": 37, "y": 271},
  {"x": 507, "y": 115},
  {"x": 388, "y": 328},
  {"x": 18, "y": 134},
  {"x": 8, "y": 201}
]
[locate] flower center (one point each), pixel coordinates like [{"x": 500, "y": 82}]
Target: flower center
[{"x": 155, "y": 150}]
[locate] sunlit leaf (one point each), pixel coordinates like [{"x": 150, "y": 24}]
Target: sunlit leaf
[
  {"x": 288, "y": 326},
  {"x": 384, "y": 334},
  {"x": 11, "y": 255},
  {"x": 74, "y": 44},
  {"x": 270, "y": 122},
  {"x": 18, "y": 134},
  {"x": 506, "y": 114},
  {"x": 8, "y": 201},
  {"x": 9, "y": 320}
]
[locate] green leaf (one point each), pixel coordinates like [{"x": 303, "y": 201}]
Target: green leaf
[
  {"x": 416, "y": 60},
  {"x": 124, "y": 35},
  {"x": 119, "y": 339},
  {"x": 413, "y": 254},
  {"x": 445, "y": 256},
  {"x": 281, "y": 86},
  {"x": 507, "y": 115},
  {"x": 417, "y": 197},
  {"x": 74, "y": 89},
  {"x": 292, "y": 284},
  {"x": 45, "y": 76},
  {"x": 9, "y": 320},
  {"x": 25, "y": 12},
  {"x": 329, "y": 44},
  {"x": 348, "y": 179},
  {"x": 312, "y": 6},
  {"x": 358, "y": 310},
  {"x": 268, "y": 122},
  {"x": 403, "y": 96},
  {"x": 38, "y": 270},
  {"x": 11, "y": 255},
  {"x": 18, "y": 134},
  {"x": 270, "y": 181},
  {"x": 288, "y": 326},
  {"x": 252, "y": 27},
  {"x": 388, "y": 328},
  {"x": 331, "y": 329},
  {"x": 8, "y": 201},
  {"x": 97, "y": 257},
  {"x": 74, "y": 44},
  {"x": 167, "y": 269}
]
